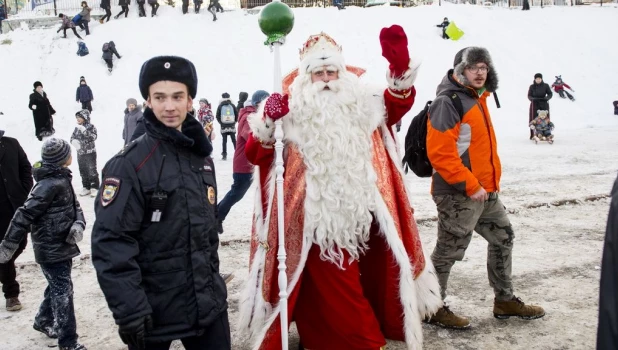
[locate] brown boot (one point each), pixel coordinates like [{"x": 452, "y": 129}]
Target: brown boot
[
  {"x": 13, "y": 304},
  {"x": 447, "y": 319},
  {"x": 516, "y": 307}
]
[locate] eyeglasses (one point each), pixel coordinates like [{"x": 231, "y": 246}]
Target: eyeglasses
[{"x": 475, "y": 69}]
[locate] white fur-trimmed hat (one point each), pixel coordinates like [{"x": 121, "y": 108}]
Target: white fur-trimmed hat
[{"x": 318, "y": 51}]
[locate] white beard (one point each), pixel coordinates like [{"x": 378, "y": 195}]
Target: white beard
[{"x": 333, "y": 131}]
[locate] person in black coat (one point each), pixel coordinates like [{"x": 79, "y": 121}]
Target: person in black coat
[
  {"x": 109, "y": 50},
  {"x": 15, "y": 184},
  {"x": 106, "y": 5},
  {"x": 84, "y": 94},
  {"x": 445, "y": 23},
  {"x": 56, "y": 221},
  {"x": 607, "y": 334},
  {"x": 155, "y": 241},
  {"x": 539, "y": 94},
  {"x": 42, "y": 112}
]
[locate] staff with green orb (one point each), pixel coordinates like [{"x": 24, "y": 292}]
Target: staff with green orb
[{"x": 276, "y": 20}]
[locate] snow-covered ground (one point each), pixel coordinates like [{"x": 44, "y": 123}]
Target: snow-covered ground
[{"x": 557, "y": 248}]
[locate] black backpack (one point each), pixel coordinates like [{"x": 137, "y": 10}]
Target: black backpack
[{"x": 415, "y": 157}]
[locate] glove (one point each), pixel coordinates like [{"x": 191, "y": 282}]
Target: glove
[
  {"x": 394, "y": 44},
  {"x": 6, "y": 251},
  {"x": 76, "y": 234},
  {"x": 81, "y": 128},
  {"x": 134, "y": 333},
  {"x": 276, "y": 106}
]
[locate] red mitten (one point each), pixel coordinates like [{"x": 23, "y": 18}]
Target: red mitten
[
  {"x": 276, "y": 106},
  {"x": 395, "y": 49}
]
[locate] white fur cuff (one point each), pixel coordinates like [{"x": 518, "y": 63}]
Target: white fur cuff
[
  {"x": 404, "y": 82},
  {"x": 262, "y": 128}
]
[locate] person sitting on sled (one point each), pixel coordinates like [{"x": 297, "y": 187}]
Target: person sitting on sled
[
  {"x": 542, "y": 127},
  {"x": 559, "y": 86}
]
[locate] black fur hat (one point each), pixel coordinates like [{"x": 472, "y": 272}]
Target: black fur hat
[
  {"x": 171, "y": 68},
  {"x": 471, "y": 56},
  {"x": 538, "y": 75}
]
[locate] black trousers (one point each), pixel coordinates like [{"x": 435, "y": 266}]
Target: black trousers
[
  {"x": 64, "y": 31},
  {"x": 233, "y": 136},
  {"x": 215, "y": 337},
  {"x": 185, "y": 6},
  {"x": 87, "y": 105},
  {"x": 125, "y": 10},
  {"x": 141, "y": 10},
  {"x": 198, "y": 5},
  {"x": 83, "y": 24},
  {"x": 57, "y": 306},
  {"x": 109, "y": 63},
  {"x": 562, "y": 94},
  {"x": 155, "y": 7},
  {"x": 108, "y": 14},
  {"x": 8, "y": 274},
  {"x": 87, "y": 164}
]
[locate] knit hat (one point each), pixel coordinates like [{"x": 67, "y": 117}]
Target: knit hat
[
  {"x": 204, "y": 100},
  {"x": 82, "y": 79},
  {"x": 243, "y": 96},
  {"x": 538, "y": 75},
  {"x": 318, "y": 51},
  {"x": 84, "y": 114},
  {"x": 37, "y": 84},
  {"x": 131, "y": 101},
  {"x": 471, "y": 56},
  {"x": 225, "y": 95},
  {"x": 168, "y": 68},
  {"x": 55, "y": 151},
  {"x": 258, "y": 97}
]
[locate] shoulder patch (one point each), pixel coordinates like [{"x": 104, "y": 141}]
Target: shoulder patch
[{"x": 111, "y": 187}]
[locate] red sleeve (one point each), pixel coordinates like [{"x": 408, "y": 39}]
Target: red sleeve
[
  {"x": 258, "y": 154},
  {"x": 397, "y": 107},
  {"x": 567, "y": 86}
]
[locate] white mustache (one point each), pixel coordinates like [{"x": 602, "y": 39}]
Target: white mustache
[{"x": 332, "y": 85}]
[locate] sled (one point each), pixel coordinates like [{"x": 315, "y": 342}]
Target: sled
[
  {"x": 453, "y": 32},
  {"x": 537, "y": 140}
]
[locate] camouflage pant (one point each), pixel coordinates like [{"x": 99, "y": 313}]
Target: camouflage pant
[{"x": 458, "y": 216}]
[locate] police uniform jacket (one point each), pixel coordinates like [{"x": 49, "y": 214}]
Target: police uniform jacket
[{"x": 168, "y": 269}]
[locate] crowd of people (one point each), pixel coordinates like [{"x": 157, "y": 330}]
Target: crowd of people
[{"x": 349, "y": 221}]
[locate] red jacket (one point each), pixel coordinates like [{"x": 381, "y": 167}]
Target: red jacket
[
  {"x": 241, "y": 163},
  {"x": 560, "y": 86}
]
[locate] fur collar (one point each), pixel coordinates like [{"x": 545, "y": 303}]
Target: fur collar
[
  {"x": 192, "y": 135},
  {"x": 471, "y": 56}
]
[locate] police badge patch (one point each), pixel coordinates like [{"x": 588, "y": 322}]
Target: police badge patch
[
  {"x": 211, "y": 195},
  {"x": 111, "y": 186}
]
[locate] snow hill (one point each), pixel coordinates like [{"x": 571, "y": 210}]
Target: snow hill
[{"x": 230, "y": 57}]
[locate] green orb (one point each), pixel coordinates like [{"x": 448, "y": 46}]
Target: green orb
[{"x": 276, "y": 18}]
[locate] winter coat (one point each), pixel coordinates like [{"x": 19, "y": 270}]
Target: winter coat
[
  {"x": 43, "y": 112},
  {"x": 48, "y": 213},
  {"x": 542, "y": 124},
  {"x": 167, "y": 269},
  {"x": 110, "y": 52},
  {"x": 15, "y": 172},
  {"x": 66, "y": 23},
  {"x": 205, "y": 116},
  {"x": 538, "y": 94},
  {"x": 462, "y": 150},
  {"x": 615, "y": 107},
  {"x": 83, "y": 94},
  {"x": 130, "y": 123},
  {"x": 241, "y": 163},
  {"x": 153, "y": 1},
  {"x": 559, "y": 85},
  {"x": 227, "y": 128},
  {"x": 124, "y": 2},
  {"x": 607, "y": 335},
  {"x": 242, "y": 98},
  {"x": 86, "y": 137},
  {"x": 443, "y": 25},
  {"x": 85, "y": 13},
  {"x": 105, "y": 4}
]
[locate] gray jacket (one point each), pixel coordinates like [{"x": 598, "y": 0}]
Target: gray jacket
[
  {"x": 85, "y": 13},
  {"x": 130, "y": 123}
]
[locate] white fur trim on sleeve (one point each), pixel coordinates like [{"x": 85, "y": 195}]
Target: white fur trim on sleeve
[
  {"x": 405, "y": 81},
  {"x": 262, "y": 128}
]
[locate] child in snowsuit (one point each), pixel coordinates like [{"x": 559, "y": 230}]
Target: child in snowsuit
[
  {"x": 109, "y": 50},
  {"x": 67, "y": 24},
  {"x": 542, "y": 127},
  {"x": 444, "y": 25},
  {"x": 55, "y": 219},
  {"x": 204, "y": 114},
  {"x": 559, "y": 86},
  {"x": 83, "y": 139},
  {"x": 84, "y": 94},
  {"x": 82, "y": 49}
]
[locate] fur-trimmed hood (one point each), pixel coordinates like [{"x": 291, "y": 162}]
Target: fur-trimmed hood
[{"x": 471, "y": 56}]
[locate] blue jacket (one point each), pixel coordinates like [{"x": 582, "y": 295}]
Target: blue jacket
[{"x": 84, "y": 94}]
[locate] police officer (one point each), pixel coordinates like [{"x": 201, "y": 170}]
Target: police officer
[{"x": 155, "y": 241}]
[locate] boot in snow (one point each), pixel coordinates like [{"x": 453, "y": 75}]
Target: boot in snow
[
  {"x": 84, "y": 192},
  {"x": 516, "y": 307},
  {"x": 49, "y": 331},
  {"x": 446, "y": 318},
  {"x": 13, "y": 304}
]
